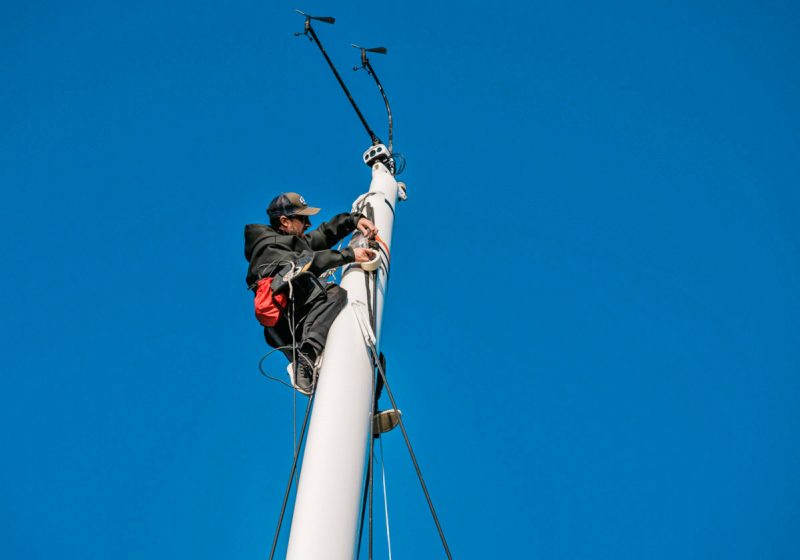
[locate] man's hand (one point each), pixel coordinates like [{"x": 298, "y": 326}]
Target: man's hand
[
  {"x": 367, "y": 228},
  {"x": 364, "y": 255}
]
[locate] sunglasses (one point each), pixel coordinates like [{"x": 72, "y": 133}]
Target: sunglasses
[{"x": 303, "y": 219}]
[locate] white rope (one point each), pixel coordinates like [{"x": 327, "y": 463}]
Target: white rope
[
  {"x": 358, "y": 204},
  {"x": 385, "y": 502},
  {"x": 359, "y": 307}
]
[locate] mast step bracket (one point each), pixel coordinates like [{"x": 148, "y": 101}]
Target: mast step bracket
[{"x": 385, "y": 421}]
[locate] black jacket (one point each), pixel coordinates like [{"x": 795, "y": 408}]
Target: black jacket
[{"x": 265, "y": 249}]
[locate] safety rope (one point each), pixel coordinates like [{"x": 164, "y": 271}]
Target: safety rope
[{"x": 295, "y": 443}]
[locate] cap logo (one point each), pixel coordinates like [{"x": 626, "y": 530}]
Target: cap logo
[{"x": 302, "y": 201}]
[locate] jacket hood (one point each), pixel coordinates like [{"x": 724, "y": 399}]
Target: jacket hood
[{"x": 252, "y": 233}]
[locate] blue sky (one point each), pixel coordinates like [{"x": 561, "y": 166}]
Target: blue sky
[{"x": 592, "y": 322}]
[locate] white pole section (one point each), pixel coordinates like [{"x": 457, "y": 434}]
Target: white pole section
[{"x": 328, "y": 502}]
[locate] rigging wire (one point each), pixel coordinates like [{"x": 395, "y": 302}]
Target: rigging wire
[
  {"x": 363, "y": 515},
  {"x": 367, "y": 496},
  {"x": 380, "y": 368},
  {"x": 291, "y": 478},
  {"x": 385, "y": 499}
]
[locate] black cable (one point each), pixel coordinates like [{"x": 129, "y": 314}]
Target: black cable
[
  {"x": 372, "y": 73},
  {"x": 375, "y": 299},
  {"x": 375, "y": 139},
  {"x": 370, "y": 470},
  {"x": 291, "y": 478},
  {"x": 363, "y": 515},
  {"x": 400, "y": 163},
  {"x": 370, "y": 310},
  {"x": 265, "y": 374}
]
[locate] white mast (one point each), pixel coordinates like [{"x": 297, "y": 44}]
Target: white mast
[
  {"x": 327, "y": 506},
  {"x": 325, "y": 521}
]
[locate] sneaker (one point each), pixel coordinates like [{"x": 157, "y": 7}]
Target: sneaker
[{"x": 306, "y": 375}]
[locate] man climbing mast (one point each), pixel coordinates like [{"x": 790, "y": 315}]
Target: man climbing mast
[{"x": 285, "y": 262}]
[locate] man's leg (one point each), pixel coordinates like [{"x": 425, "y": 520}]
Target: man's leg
[{"x": 320, "y": 317}]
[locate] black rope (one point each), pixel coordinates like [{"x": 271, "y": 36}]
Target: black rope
[
  {"x": 267, "y": 375},
  {"x": 375, "y": 300},
  {"x": 371, "y": 311},
  {"x": 376, "y": 361},
  {"x": 291, "y": 478},
  {"x": 370, "y": 470}
]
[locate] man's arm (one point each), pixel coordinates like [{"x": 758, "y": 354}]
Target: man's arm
[
  {"x": 329, "y": 233},
  {"x": 327, "y": 259},
  {"x": 334, "y": 230},
  {"x": 321, "y": 261}
]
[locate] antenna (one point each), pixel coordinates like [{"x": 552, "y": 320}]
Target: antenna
[
  {"x": 368, "y": 67},
  {"x": 308, "y": 30}
]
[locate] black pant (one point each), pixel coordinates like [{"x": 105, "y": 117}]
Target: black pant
[{"x": 313, "y": 320}]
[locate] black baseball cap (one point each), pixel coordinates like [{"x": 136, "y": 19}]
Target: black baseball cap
[{"x": 290, "y": 204}]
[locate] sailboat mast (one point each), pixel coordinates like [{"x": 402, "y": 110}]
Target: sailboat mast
[
  {"x": 327, "y": 506},
  {"x": 325, "y": 523}
]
